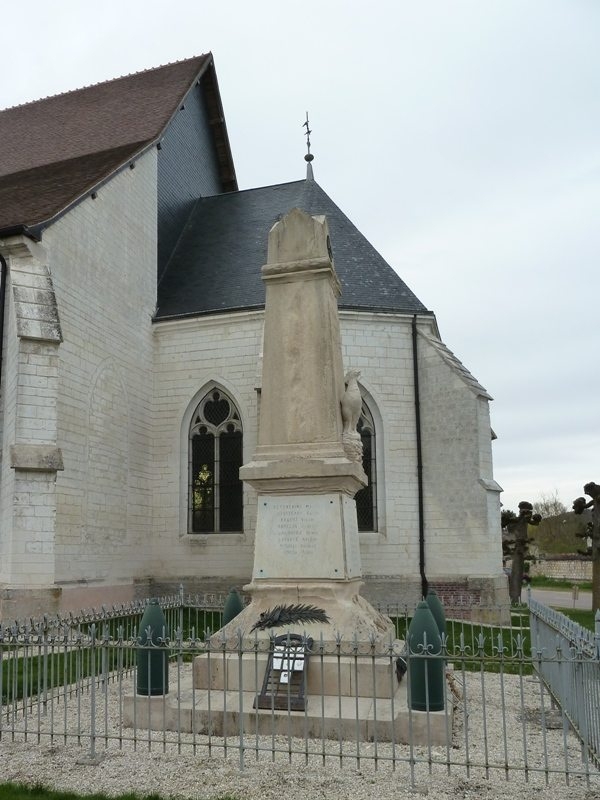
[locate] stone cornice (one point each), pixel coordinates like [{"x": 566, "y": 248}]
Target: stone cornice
[
  {"x": 21, "y": 247},
  {"x": 36, "y": 309},
  {"x": 36, "y": 457}
]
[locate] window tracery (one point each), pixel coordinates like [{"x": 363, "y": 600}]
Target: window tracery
[
  {"x": 215, "y": 492},
  {"x": 366, "y": 498}
]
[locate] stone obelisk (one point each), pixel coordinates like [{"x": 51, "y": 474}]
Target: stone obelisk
[{"x": 306, "y": 547}]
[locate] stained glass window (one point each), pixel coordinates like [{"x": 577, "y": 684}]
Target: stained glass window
[
  {"x": 215, "y": 457},
  {"x": 366, "y": 499}
]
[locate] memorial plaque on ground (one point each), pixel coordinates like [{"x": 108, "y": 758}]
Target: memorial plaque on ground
[{"x": 284, "y": 684}]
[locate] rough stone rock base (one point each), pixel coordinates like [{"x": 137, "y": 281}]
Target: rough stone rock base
[
  {"x": 18, "y": 603},
  {"x": 22, "y": 603},
  {"x": 477, "y": 599},
  {"x": 480, "y": 599}
]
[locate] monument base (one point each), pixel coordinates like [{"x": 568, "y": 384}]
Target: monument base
[
  {"x": 347, "y": 718},
  {"x": 348, "y": 698},
  {"x": 351, "y": 617}
]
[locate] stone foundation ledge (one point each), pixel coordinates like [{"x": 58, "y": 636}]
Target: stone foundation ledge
[
  {"x": 344, "y": 676},
  {"x": 326, "y": 717}
]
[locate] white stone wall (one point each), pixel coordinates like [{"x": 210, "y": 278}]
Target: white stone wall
[
  {"x": 462, "y": 508},
  {"x": 381, "y": 347},
  {"x": 102, "y": 256},
  {"x": 8, "y": 405},
  {"x": 563, "y": 569},
  {"x": 34, "y": 512},
  {"x": 29, "y": 437},
  {"x": 462, "y": 533},
  {"x": 191, "y": 355},
  {"x": 34, "y": 530},
  {"x": 125, "y": 390},
  {"x": 37, "y": 368}
]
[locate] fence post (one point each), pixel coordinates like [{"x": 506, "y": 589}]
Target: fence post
[
  {"x": 45, "y": 633},
  {"x": 240, "y": 644},
  {"x": 93, "y": 697},
  {"x": 92, "y": 757},
  {"x": 181, "y": 608}
]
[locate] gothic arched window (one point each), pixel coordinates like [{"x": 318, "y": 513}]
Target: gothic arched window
[
  {"x": 366, "y": 499},
  {"x": 215, "y": 457}
]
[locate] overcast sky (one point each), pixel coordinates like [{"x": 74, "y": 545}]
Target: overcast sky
[{"x": 462, "y": 137}]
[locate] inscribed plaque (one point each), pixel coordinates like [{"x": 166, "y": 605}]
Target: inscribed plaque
[{"x": 299, "y": 537}]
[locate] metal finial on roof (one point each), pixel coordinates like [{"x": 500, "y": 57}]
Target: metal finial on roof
[{"x": 309, "y": 156}]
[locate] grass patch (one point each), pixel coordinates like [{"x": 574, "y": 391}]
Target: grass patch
[
  {"x": 541, "y": 582},
  {"x": 197, "y": 622},
  {"x": 19, "y": 791},
  {"x": 28, "y": 670},
  {"x": 583, "y": 618},
  {"x": 193, "y": 622},
  {"x": 473, "y": 646}
]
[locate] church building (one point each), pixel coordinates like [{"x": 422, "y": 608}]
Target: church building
[{"x": 131, "y": 324}]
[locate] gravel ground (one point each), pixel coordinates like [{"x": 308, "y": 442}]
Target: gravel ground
[{"x": 510, "y": 704}]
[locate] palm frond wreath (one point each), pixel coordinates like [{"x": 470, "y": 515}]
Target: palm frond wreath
[{"x": 289, "y": 615}]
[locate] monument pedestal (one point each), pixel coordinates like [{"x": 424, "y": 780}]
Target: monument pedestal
[
  {"x": 351, "y": 617},
  {"x": 306, "y": 553},
  {"x": 348, "y": 698},
  {"x": 307, "y": 575}
]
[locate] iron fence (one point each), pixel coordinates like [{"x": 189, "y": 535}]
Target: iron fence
[
  {"x": 197, "y": 614},
  {"x": 75, "y": 680},
  {"x": 567, "y": 659},
  {"x": 199, "y": 611}
]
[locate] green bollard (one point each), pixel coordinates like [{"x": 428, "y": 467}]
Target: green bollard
[
  {"x": 437, "y": 609},
  {"x": 152, "y": 654},
  {"x": 425, "y": 675},
  {"x": 233, "y": 606}
]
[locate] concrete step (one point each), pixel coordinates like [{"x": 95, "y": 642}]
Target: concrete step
[{"x": 229, "y": 713}]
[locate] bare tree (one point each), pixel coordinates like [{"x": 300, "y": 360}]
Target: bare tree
[
  {"x": 554, "y": 514},
  {"x": 549, "y": 505},
  {"x": 579, "y": 506},
  {"x": 516, "y": 544}
]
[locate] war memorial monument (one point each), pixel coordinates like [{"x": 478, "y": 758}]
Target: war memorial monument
[{"x": 305, "y": 596}]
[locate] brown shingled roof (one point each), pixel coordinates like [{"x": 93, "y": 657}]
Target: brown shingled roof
[
  {"x": 37, "y": 194},
  {"x": 55, "y": 150}
]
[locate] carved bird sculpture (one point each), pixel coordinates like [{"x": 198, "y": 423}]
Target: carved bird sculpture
[{"x": 351, "y": 401}]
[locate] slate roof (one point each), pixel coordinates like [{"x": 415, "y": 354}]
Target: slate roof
[
  {"x": 55, "y": 150},
  {"x": 457, "y": 366},
  {"x": 216, "y": 264}
]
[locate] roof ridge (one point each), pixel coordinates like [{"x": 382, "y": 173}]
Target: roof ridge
[
  {"x": 105, "y": 82},
  {"x": 254, "y": 189}
]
